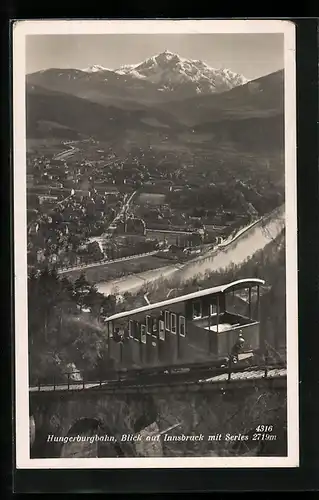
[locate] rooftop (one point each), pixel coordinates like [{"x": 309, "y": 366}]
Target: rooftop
[{"x": 190, "y": 296}]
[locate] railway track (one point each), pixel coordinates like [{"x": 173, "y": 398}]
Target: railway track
[
  {"x": 170, "y": 377},
  {"x": 199, "y": 373}
]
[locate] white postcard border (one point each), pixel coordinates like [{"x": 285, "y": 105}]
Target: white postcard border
[{"x": 20, "y": 30}]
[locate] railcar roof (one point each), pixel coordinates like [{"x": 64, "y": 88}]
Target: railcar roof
[{"x": 190, "y": 296}]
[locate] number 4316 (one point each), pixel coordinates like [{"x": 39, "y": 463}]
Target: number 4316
[{"x": 264, "y": 428}]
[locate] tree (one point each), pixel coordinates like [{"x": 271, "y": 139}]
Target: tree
[
  {"x": 58, "y": 333},
  {"x": 107, "y": 306},
  {"x": 82, "y": 288},
  {"x": 94, "y": 251}
]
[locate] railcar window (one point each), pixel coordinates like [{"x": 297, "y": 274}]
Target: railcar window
[
  {"x": 254, "y": 303},
  {"x": 182, "y": 329},
  {"x": 167, "y": 322},
  {"x": 143, "y": 334},
  {"x": 173, "y": 323},
  {"x": 136, "y": 331},
  {"x": 213, "y": 309},
  {"x": 197, "y": 309},
  {"x": 238, "y": 302},
  {"x": 111, "y": 329},
  {"x": 130, "y": 329},
  {"x": 117, "y": 335},
  {"x": 148, "y": 325},
  {"x": 154, "y": 327},
  {"x": 161, "y": 330},
  {"x": 121, "y": 329}
]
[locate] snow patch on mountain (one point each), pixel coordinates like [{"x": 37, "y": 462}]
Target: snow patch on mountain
[
  {"x": 96, "y": 68},
  {"x": 167, "y": 70},
  {"x": 162, "y": 77}
]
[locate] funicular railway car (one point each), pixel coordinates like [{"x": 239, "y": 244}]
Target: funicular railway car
[{"x": 200, "y": 327}]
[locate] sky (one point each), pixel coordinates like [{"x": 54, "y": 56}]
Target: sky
[{"x": 252, "y": 55}]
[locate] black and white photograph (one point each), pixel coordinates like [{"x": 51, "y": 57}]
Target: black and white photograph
[{"x": 155, "y": 244}]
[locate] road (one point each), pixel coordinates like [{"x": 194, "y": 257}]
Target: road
[
  {"x": 106, "y": 261},
  {"x": 67, "y": 152},
  {"x": 168, "y": 231},
  {"x": 125, "y": 206},
  {"x": 70, "y": 195}
]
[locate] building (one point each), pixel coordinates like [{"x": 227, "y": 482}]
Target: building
[
  {"x": 30, "y": 180},
  {"x": 33, "y": 228},
  {"x": 40, "y": 256},
  {"x": 48, "y": 200}
]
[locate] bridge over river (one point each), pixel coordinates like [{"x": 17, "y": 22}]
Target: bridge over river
[{"x": 187, "y": 401}]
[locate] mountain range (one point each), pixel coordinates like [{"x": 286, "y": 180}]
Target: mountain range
[
  {"x": 160, "y": 78},
  {"x": 67, "y": 116},
  {"x": 158, "y": 99}
]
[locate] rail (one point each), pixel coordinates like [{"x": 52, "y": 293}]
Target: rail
[{"x": 124, "y": 377}]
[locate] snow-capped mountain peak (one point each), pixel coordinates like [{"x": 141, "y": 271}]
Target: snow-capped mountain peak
[
  {"x": 95, "y": 68},
  {"x": 168, "y": 70},
  {"x": 161, "y": 77}
]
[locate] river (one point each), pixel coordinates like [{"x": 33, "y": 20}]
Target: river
[{"x": 242, "y": 246}]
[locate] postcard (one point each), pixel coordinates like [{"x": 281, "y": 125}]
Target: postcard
[{"x": 155, "y": 244}]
